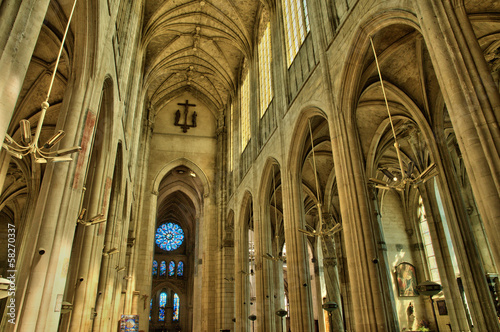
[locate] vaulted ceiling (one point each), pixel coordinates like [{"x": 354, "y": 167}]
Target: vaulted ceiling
[{"x": 196, "y": 45}]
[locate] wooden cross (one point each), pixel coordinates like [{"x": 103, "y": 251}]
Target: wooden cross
[{"x": 185, "y": 126}]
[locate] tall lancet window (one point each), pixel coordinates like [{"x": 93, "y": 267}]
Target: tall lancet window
[
  {"x": 155, "y": 268},
  {"x": 176, "y": 308},
  {"x": 426, "y": 239},
  {"x": 266, "y": 91},
  {"x": 171, "y": 269},
  {"x": 161, "y": 306},
  {"x": 180, "y": 269},
  {"x": 245, "y": 112},
  {"x": 231, "y": 135},
  {"x": 163, "y": 269},
  {"x": 296, "y": 26}
]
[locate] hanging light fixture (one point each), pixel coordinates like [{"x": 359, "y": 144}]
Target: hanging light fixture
[
  {"x": 406, "y": 177},
  {"x": 29, "y": 144},
  {"x": 311, "y": 231}
]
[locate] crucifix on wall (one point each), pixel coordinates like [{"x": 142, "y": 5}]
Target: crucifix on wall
[{"x": 185, "y": 126}]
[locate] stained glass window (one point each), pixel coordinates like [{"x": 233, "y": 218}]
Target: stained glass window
[
  {"x": 169, "y": 236},
  {"x": 296, "y": 26},
  {"x": 150, "y": 308},
  {"x": 161, "y": 309},
  {"x": 171, "y": 269},
  {"x": 163, "y": 268},
  {"x": 180, "y": 269},
  {"x": 245, "y": 112},
  {"x": 176, "y": 308},
  {"x": 155, "y": 268},
  {"x": 426, "y": 239},
  {"x": 231, "y": 139},
  {"x": 266, "y": 93}
]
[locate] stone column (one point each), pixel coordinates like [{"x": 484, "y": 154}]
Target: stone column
[
  {"x": 264, "y": 268},
  {"x": 241, "y": 297},
  {"x": 279, "y": 288},
  {"x": 472, "y": 102},
  {"x": 145, "y": 232},
  {"x": 109, "y": 278},
  {"x": 53, "y": 228},
  {"x": 209, "y": 254},
  {"x": 225, "y": 307},
  {"x": 330, "y": 273},
  {"x": 299, "y": 288},
  {"x": 89, "y": 264},
  {"x": 20, "y": 25},
  {"x": 465, "y": 245},
  {"x": 384, "y": 263},
  {"x": 368, "y": 309},
  {"x": 318, "y": 275}
]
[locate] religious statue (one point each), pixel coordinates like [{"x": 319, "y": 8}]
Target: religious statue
[
  {"x": 194, "y": 118},
  {"x": 177, "y": 117},
  {"x": 410, "y": 316},
  {"x": 185, "y": 126}
]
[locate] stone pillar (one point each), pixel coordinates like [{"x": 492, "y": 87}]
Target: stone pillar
[
  {"x": 209, "y": 254},
  {"x": 369, "y": 312},
  {"x": 88, "y": 264},
  {"x": 53, "y": 228},
  {"x": 279, "y": 288},
  {"x": 299, "y": 288},
  {"x": 264, "y": 267},
  {"x": 465, "y": 245},
  {"x": 225, "y": 307},
  {"x": 318, "y": 275},
  {"x": 384, "y": 264},
  {"x": 110, "y": 280},
  {"x": 20, "y": 26},
  {"x": 241, "y": 298},
  {"x": 330, "y": 273},
  {"x": 472, "y": 102},
  {"x": 145, "y": 233}
]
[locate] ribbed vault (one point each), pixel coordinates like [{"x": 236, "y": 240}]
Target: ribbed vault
[{"x": 196, "y": 46}]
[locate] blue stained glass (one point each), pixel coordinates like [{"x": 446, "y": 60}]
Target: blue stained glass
[
  {"x": 163, "y": 302},
  {"x": 180, "y": 269},
  {"x": 176, "y": 307},
  {"x": 163, "y": 268},
  {"x": 161, "y": 314},
  {"x": 171, "y": 269},
  {"x": 169, "y": 236},
  {"x": 155, "y": 268},
  {"x": 150, "y": 308}
]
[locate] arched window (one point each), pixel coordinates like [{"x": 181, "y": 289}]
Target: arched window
[
  {"x": 171, "y": 269},
  {"x": 176, "y": 308},
  {"x": 180, "y": 269},
  {"x": 150, "y": 308},
  {"x": 245, "y": 111},
  {"x": 231, "y": 147},
  {"x": 426, "y": 239},
  {"x": 296, "y": 26},
  {"x": 161, "y": 307},
  {"x": 266, "y": 93},
  {"x": 155, "y": 268},
  {"x": 163, "y": 269}
]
